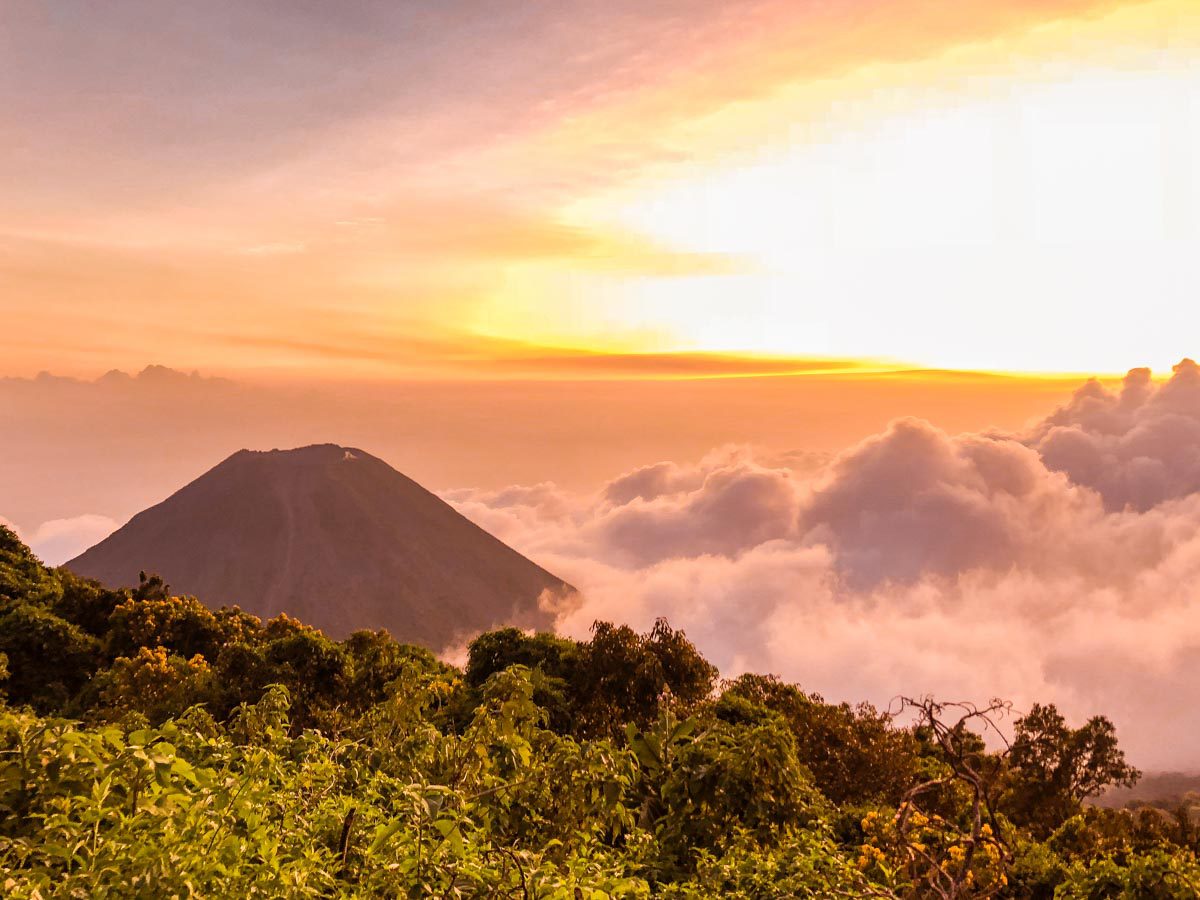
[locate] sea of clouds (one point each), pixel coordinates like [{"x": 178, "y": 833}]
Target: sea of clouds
[{"x": 1060, "y": 564}]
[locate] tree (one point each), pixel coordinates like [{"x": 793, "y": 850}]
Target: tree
[
  {"x": 242, "y": 674},
  {"x": 623, "y": 677},
  {"x": 557, "y": 659},
  {"x": 86, "y": 603},
  {"x": 151, "y": 587},
  {"x": 49, "y": 659},
  {"x": 702, "y": 784},
  {"x": 374, "y": 660},
  {"x": 1055, "y": 767},
  {"x": 946, "y": 833},
  {"x": 182, "y": 625},
  {"x": 237, "y": 625},
  {"x": 689, "y": 676},
  {"x": 156, "y": 684},
  {"x": 23, "y": 578},
  {"x": 495, "y": 651},
  {"x": 854, "y": 753},
  {"x": 312, "y": 668}
]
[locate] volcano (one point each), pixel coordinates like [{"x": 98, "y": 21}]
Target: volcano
[{"x": 336, "y": 538}]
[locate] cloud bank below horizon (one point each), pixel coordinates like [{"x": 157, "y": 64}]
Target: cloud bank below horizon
[{"x": 1055, "y": 564}]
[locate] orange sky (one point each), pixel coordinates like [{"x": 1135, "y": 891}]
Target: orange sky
[
  {"x": 444, "y": 192},
  {"x": 99, "y": 448}
]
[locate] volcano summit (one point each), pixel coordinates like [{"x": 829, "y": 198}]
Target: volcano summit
[{"x": 336, "y": 538}]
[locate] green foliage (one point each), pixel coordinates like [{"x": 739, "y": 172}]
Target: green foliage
[
  {"x": 1160, "y": 874},
  {"x": 596, "y": 687},
  {"x": 1055, "y": 768},
  {"x": 182, "y": 625},
  {"x": 558, "y": 659},
  {"x": 214, "y": 755},
  {"x": 23, "y": 579},
  {"x": 854, "y": 753},
  {"x": 374, "y": 660},
  {"x": 154, "y": 684},
  {"x": 309, "y": 665},
  {"x": 49, "y": 659},
  {"x": 702, "y": 783},
  {"x": 192, "y": 809},
  {"x": 803, "y": 863},
  {"x": 622, "y": 677},
  {"x": 1036, "y": 872},
  {"x": 495, "y": 651},
  {"x": 87, "y": 604}
]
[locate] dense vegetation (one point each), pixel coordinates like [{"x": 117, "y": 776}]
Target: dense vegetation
[{"x": 150, "y": 747}]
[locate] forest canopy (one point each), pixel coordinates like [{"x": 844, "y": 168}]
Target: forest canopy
[{"x": 153, "y": 747}]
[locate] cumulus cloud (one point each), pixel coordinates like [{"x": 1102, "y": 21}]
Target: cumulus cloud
[
  {"x": 914, "y": 501},
  {"x": 1057, "y": 564},
  {"x": 59, "y": 540},
  {"x": 1137, "y": 447}
]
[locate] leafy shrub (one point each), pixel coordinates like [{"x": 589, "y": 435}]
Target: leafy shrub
[{"x": 220, "y": 756}]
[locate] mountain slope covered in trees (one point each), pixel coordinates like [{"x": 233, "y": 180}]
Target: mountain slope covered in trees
[
  {"x": 152, "y": 747},
  {"x": 333, "y": 536}
]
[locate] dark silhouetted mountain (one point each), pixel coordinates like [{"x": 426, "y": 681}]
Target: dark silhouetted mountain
[{"x": 336, "y": 538}]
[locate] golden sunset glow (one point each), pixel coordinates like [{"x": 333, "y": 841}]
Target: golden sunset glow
[
  {"x": 960, "y": 210},
  {"x": 989, "y": 185}
]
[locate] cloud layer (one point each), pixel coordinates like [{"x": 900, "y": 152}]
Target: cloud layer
[
  {"x": 1056, "y": 564},
  {"x": 59, "y": 540},
  {"x": 1136, "y": 448}
]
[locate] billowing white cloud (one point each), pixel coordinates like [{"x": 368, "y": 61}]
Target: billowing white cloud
[
  {"x": 59, "y": 540},
  {"x": 1060, "y": 564},
  {"x": 1136, "y": 448}
]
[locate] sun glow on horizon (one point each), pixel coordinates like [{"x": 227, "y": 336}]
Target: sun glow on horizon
[
  {"x": 989, "y": 185},
  {"x": 967, "y": 211}
]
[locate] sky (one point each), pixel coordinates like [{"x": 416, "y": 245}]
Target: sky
[
  {"x": 854, "y": 337},
  {"x": 389, "y": 191}
]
